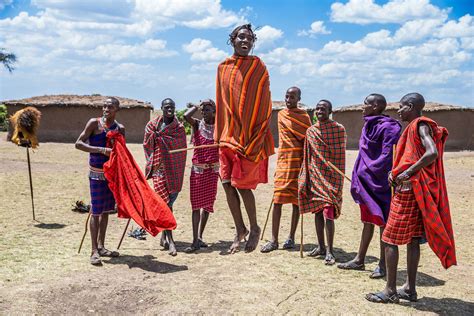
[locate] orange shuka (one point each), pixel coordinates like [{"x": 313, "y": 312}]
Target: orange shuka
[
  {"x": 244, "y": 107},
  {"x": 292, "y": 126}
]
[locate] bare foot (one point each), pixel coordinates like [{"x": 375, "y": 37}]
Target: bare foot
[
  {"x": 330, "y": 259},
  {"x": 235, "y": 247},
  {"x": 254, "y": 237},
  {"x": 172, "y": 251}
]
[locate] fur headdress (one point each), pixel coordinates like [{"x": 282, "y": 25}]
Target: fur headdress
[{"x": 25, "y": 123}]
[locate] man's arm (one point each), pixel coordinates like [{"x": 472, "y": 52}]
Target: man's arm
[
  {"x": 82, "y": 144},
  {"x": 188, "y": 116},
  {"x": 428, "y": 157}
]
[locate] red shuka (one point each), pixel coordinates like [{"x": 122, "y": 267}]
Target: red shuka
[
  {"x": 134, "y": 197},
  {"x": 429, "y": 187}
]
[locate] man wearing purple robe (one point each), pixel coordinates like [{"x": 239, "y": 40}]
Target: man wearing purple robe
[{"x": 370, "y": 188}]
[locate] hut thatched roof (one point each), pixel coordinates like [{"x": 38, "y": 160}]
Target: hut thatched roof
[
  {"x": 429, "y": 107},
  {"x": 67, "y": 100},
  {"x": 278, "y": 105}
]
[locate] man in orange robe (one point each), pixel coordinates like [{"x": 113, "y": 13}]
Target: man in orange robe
[
  {"x": 292, "y": 125},
  {"x": 243, "y": 112},
  {"x": 419, "y": 209}
]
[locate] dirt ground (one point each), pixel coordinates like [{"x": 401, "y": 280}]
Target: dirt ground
[{"x": 41, "y": 272}]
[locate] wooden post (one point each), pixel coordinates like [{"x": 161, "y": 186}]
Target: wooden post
[
  {"x": 123, "y": 235},
  {"x": 85, "y": 232},
  {"x": 31, "y": 182},
  {"x": 266, "y": 221}
]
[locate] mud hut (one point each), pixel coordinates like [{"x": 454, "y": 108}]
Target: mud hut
[
  {"x": 458, "y": 120},
  {"x": 277, "y": 106},
  {"x": 63, "y": 117}
]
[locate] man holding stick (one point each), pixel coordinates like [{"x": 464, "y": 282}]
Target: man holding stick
[
  {"x": 292, "y": 125},
  {"x": 163, "y": 134},
  {"x": 243, "y": 113},
  {"x": 321, "y": 178},
  {"x": 93, "y": 140},
  {"x": 370, "y": 188}
]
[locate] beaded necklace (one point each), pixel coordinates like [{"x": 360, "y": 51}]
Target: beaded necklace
[{"x": 207, "y": 130}]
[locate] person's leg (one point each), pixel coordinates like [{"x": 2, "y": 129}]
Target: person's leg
[
  {"x": 295, "y": 216},
  {"x": 249, "y": 203},
  {"x": 320, "y": 249},
  {"x": 195, "y": 221},
  {"x": 358, "y": 262},
  {"x": 273, "y": 243},
  {"x": 94, "y": 229},
  {"x": 382, "y": 254},
  {"x": 330, "y": 228},
  {"x": 103, "y": 222},
  {"x": 233, "y": 201},
  {"x": 413, "y": 258},
  {"x": 202, "y": 223},
  {"x": 391, "y": 257}
]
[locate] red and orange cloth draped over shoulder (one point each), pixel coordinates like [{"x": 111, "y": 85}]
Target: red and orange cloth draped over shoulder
[
  {"x": 292, "y": 126},
  {"x": 244, "y": 107},
  {"x": 134, "y": 197},
  {"x": 429, "y": 188}
]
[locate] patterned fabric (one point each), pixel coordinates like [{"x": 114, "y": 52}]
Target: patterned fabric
[
  {"x": 429, "y": 188},
  {"x": 405, "y": 221},
  {"x": 370, "y": 188},
  {"x": 167, "y": 170},
  {"x": 319, "y": 185},
  {"x": 244, "y": 107},
  {"x": 204, "y": 174},
  {"x": 292, "y": 126},
  {"x": 135, "y": 199},
  {"x": 102, "y": 199}
]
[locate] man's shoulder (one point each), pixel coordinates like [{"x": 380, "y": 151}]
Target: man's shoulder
[{"x": 339, "y": 126}]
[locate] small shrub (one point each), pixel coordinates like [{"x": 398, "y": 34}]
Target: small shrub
[
  {"x": 3, "y": 118},
  {"x": 180, "y": 116}
]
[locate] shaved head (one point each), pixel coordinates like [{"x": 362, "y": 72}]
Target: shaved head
[
  {"x": 379, "y": 100},
  {"x": 414, "y": 98},
  {"x": 298, "y": 91}
]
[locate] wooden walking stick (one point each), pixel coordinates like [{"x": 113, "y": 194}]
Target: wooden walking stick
[
  {"x": 266, "y": 221},
  {"x": 123, "y": 235},
  {"x": 301, "y": 242},
  {"x": 85, "y": 232},
  {"x": 192, "y": 147},
  {"x": 393, "y": 162},
  {"x": 31, "y": 181}
]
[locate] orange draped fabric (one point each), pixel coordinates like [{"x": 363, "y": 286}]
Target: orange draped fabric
[
  {"x": 292, "y": 126},
  {"x": 429, "y": 187},
  {"x": 244, "y": 107}
]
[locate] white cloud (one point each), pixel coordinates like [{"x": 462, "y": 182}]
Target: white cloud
[
  {"x": 394, "y": 11},
  {"x": 266, "y": 36},
  {"x": 463, "y": 28},
  {"x": 201, "y": 50},
  {"x": 150, "y": 49},
  {"x": 317, "y": 27}
]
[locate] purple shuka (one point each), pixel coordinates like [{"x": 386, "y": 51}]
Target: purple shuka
[{"x": 370, "y": 188}]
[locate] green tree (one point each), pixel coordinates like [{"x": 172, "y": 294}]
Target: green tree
[
  {"x": 7, "y": 59},
  {"x": 180, "y": 116},
  {"x": 3, "y": 117}
]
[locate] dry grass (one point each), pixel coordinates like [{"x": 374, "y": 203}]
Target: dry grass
[{"x": 41, "y": 272}]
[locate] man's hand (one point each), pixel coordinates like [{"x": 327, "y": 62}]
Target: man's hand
[
  {"x": 107, "y": 151},
  {"x": 404, "y": 176}
]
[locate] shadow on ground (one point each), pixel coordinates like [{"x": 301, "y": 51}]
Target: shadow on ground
[
  {"x": 50, "y": 226},
  {"x": 147, "y": 263},
  {"x": 422, "y": 279},
  {"x": 443, "y": 306}
]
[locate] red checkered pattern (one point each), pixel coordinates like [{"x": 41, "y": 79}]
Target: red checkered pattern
[
  {"x": 159, "y": 184},
  {"x": 404, "y": 220},
  {"x": 319, "y": 185}
]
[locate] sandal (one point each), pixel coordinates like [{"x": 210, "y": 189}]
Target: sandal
[
  {"x": 378, "y": 273},
  {"x": 329, "y": 260},
  {"x": 202, "y": 244},
  {"x": 95, "y": 259},
  {"x": 192, "y": 248},
  {"x": 269, "y": 246},
  {"x": 381, "y": 297},
  {"x": 407, "y": 296},
  {"x": 351, "y": 265},
  {"x": 316, "y": 252},
  {"x": 107, "y": 253},
  {"x": 289, "y": 244}
]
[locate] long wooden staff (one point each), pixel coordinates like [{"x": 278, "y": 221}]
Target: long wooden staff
[
  {"x": 193, "y": 147},
  {"x": 85, "y": 232},
  {"x": 123, "y": 235},
  {"x": 301, "y": 242},
  {"x": 31, "y": 181},
  {"x": 266, "y": 221},
  {"x": 393, "y": 162}
]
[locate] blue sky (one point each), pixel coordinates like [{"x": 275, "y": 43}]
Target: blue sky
[{"x": 152, "y": 49}]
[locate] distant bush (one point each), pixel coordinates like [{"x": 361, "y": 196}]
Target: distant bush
[
  {"x": 180, "y": 116},
  {"x": 3, "y": 118}
]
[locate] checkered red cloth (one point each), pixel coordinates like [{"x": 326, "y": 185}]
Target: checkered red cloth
[
  {"x": 319, "y": 185},
  {"x": 203, "y": 181},
  {"x": 405, "y": 220},
  {"x": 169, "y": 168},
  {"x": 429, "y": 187}
]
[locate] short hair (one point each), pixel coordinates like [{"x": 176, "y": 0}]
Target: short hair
[
  {"x": 297, "y": 90},
  {"x": 233, "y": 34},
  {"x": 380, "y": 99},
  {"x": 167, "y": 100},
  {"x": 114, "y": 101},
  {"x": 328, "y": 103},
  {"x": 414, "y": 98},
  {"x": 211, "y": 103}
]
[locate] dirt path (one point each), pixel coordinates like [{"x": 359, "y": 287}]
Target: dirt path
[{"x": 41, "y": 272}]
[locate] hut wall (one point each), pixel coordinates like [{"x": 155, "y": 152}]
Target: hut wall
[
  {"x": 64, "y": 124},
  {"x": 458, "y": 123}
]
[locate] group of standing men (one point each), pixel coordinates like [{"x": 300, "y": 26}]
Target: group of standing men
[{"x": 309, "y": 173}]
